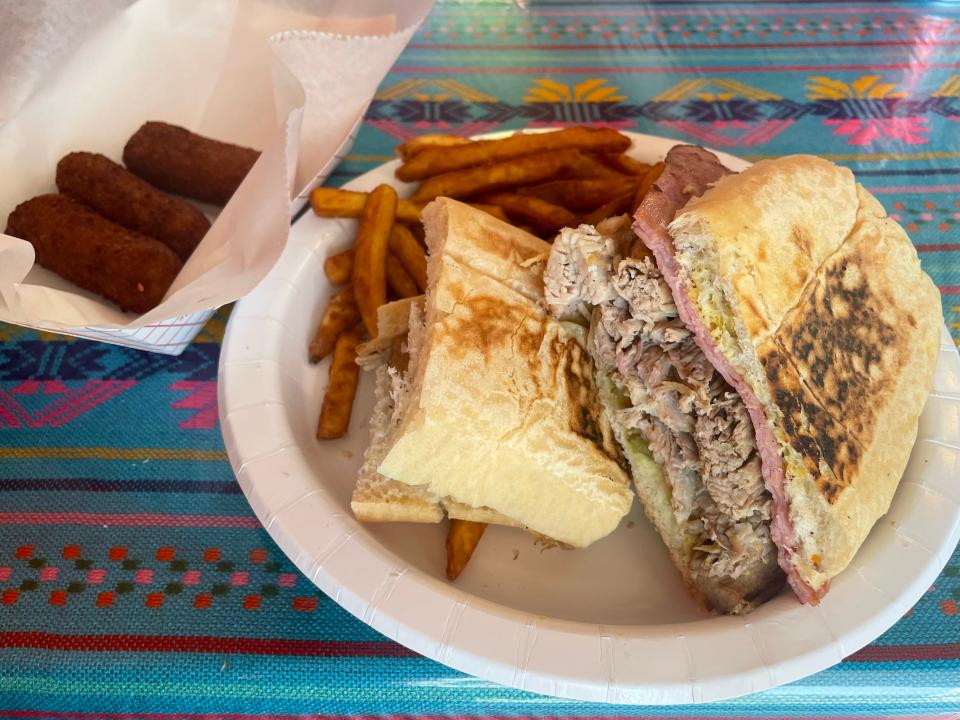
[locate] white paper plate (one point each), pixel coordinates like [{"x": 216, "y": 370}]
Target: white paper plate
[{"x": 611, "y": 623}]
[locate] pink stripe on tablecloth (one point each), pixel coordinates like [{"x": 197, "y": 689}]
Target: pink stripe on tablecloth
[
  {"x": 893, "y": 189},
  {"x": 950, "y": 289},
  {"x": 662, "y": 69},
  {"x": 128, "y": 519},
  {"x": 273, "y": 716},
  {"x": 939, "y": 247},
  {"x": 853, "y": 10},
  {"x": 566, "y": 47},
  {"x": 905, "y": 653},
  {"x": 153, "y": 716}
]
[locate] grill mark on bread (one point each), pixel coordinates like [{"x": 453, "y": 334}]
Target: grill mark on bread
[
  {"x": 798, "y": 238},
  {"x": 829, "y": 453},
  {"x": 491, "y": 243},
  {"x": 843, "y": 347},
  {"x": 753, "y": 303},
  {"x": 480, "y": 323},
  {"x": 583, "y": 415},
  {"x": 585, "y": 411}
]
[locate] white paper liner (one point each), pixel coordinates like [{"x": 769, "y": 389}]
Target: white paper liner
[{"x": 283, "y": 77}]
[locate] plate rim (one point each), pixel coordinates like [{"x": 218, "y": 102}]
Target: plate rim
[{"x": 375, "y": 607}]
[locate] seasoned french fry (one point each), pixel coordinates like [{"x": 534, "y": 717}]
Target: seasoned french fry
[
  {"x": 497, "y": 212},
  {"x": 580, "y": 195},
  {"x": 399, "y": 280},
  {"x": 623, "y": 164},
  {"x": 370, "y": 260},
  {"x": 417, "y": 230},
  {"x": 410, "y": 254},
  {"x": 462, "y": 539},
  {"x": 341, "y": 387},
  {"x": 435, "y": 161},
  {"x": 617, "y": 206},
  {"x": 409, "y": 212},
  {"x": 341, "y": 315},
  {"x": 588, "y": 168},
  {"x": 414, "y": 145},
  {"x": 646, "y": 183},
  {"x": 499, "y": 176},
  {"x": 339, "y": 268},
  {"x": 333, "y": 202},
  {"x": 539, "y": 213}
]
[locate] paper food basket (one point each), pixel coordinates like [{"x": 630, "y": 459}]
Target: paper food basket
[{"x": 291, "y": 78}]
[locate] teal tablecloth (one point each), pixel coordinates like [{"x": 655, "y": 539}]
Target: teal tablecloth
[{"x": 134, "y": 579}]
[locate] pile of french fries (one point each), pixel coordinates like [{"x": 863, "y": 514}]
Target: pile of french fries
[{"x": 539, "y": 182}]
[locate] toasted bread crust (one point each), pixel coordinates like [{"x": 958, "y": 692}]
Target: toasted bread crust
[
  {"x": 503, "y": 413},
  {"x": 817, "y": 299}
]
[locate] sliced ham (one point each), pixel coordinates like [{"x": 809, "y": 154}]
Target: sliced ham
[{"x": 687, "y": 173}]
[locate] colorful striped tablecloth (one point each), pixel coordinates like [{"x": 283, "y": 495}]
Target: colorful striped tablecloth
[{"x": 136, "y": 582}]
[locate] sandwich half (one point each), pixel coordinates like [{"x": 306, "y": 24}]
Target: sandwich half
[
  {"x": 769, "y": 339},
  {"x": 488, "y": 409}
]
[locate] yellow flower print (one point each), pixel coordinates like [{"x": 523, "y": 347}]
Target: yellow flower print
[
  {"x": 594, "y": 90},
  {"x": 866, "y": 86}
]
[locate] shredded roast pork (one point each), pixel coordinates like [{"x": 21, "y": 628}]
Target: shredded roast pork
[
  {"x": 695, "y": 424},
  {"x": 687, "y": 173}
]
